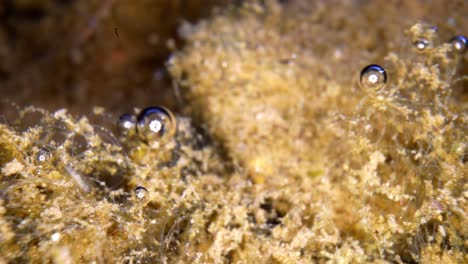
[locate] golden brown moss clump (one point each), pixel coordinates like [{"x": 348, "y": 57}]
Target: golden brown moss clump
[
  {"x": 300, "y": 164},
  {"x": 67, "y": 190},
  {"x": 352, "y": 174}
]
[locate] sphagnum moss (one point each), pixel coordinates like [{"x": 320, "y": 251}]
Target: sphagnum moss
[{"x": 302, "y": 166}]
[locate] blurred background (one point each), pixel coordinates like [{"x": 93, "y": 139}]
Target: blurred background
[{"x": 78, "y": 54}]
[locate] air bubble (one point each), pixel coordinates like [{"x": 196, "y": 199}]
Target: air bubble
[
  {"x": 127, "y": 123},
  {"x": 459, "y": 43},
  {"x": 156, "y": 124},
  {"x": 43, "y": 155},
  {"x": 141, "y": 194},
  {"x": 421, "y": 44},
  {"x": 373, "y": 77},
  {"x": 55, "y": 237}
]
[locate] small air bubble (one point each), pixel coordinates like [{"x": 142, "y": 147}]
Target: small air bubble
[
  {"x": 55, "y": 237},
  {"x": 156, "y": 124},
  {"x": 373, "y": 77},
  {"x": 459, "y": 43},
  {"x": 421, "y": 44},
  {"x": 127, "y": 122},
  {"x": 43, "y": 155},
  {"x": 141, "y": 194}
]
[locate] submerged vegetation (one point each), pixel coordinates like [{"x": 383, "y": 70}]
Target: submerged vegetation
[{"x": 289, "y": 149}]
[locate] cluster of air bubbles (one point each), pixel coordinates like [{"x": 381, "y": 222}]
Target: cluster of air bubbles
[
  {"x": 141, "y": 195},
  {"x": 459, "y": 44},
  {"x": 373, "y": 77},
  {"x": 153, "y": 124}
]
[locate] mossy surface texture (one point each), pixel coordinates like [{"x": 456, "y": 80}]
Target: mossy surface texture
[{"x": 280, "y": 155}]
